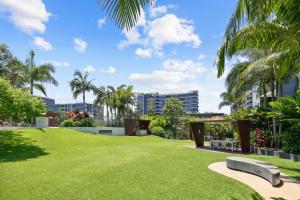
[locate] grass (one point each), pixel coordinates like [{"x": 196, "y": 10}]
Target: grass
[{"x": 66, "y": 164}]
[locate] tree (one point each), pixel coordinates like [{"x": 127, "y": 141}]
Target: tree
[
  {"x": 173, "y": 109},
  {"x": 150, "y": 107},
  {"x": 17, "y": 104},
  {"x": 11, "y": 68},
  {"x": 80, "y": 85},
  {"x": 37, "y": 75},
  {"x": 264, "y": 24}
]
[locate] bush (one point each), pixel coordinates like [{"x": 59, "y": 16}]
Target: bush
[
  {"x": 157, "y": 130},
  {"x": 291, "y": 140},
  {"x": 86, "y": 122},
  {"x": 159, "y": 125},
  {"x": 67, "y": 123}
]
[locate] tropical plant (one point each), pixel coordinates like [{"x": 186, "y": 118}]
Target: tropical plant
[
  {"x": 287, "y": 108},
  {"x": 80, "y": 85},
  {"x": 271, "y": 24},
  {"x": 125, "y": 13},
  {"x": 35, "y": 76},
  {"x": 291, "y": 139}
]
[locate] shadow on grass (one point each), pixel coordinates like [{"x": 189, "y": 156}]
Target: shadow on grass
[
  {"x": 41, "y": 129},
  {"x": 15, "y": 147}
]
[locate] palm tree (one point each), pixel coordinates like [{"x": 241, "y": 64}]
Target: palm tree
[
  {"x": 80, "y": 85},
  {"x": 37, "y": 75},
  {"x": 264, "y": 24},
  {"x": 125, "y": 13}
]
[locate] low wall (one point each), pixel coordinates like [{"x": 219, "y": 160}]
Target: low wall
[{"x": 115, "y": 131}]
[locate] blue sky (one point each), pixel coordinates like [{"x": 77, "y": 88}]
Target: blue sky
[{"x": 172, "y": 49}]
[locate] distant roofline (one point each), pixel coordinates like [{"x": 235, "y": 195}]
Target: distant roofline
[{"x": 192, "y": 91}]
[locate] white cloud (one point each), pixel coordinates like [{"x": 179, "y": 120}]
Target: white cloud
[
  {"x": 171, "y": 29},
  {"x": 101, "y": 22},
  {"x": 176, "y": 76},
  {"x": 211, "y": 102},
  {"x": 132, "y": 37},
  {"x": 89, "y": 69},
  {"x": 79, "y": 45},
  {"x": 158, "y": 10},
  {"x": 164, "y": 81},
  {"x": 110, "y": 70},
  {"x": 57, "y": 63},
  {"x": 144, "y": 53},
  {"x": 159, "y": 77},
  {"x": 29, "y": 16},
  {"x": 42, "y": 44},
  {"x": 201, "y": 57},
  {"x": 187, "y": 66},
  {"x": 155, "y": 34}
]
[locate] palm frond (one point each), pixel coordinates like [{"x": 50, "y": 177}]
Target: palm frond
[{"x": 125, "y": 13}]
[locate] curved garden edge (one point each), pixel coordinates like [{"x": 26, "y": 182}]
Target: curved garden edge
[{"x": 288, "y": 190}]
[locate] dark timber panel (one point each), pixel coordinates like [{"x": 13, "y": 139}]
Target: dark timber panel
[{"x": 198, "y": 133}]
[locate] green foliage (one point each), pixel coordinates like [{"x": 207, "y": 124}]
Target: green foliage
[
  {"x": 160, "y": 121},
  {"x": 220, "y": 130},
  {"x": 287, "y": 108},
  {"x": 150, "y": 105},
  {"x": 85, "y": 122},
  {"x": 173, "y": 108},
  {"x": 11, "y": 68},
  {"x": 291, "y": 140},
  {"x": 125, "y": 14},
  {"x": 17, "y": 104},
  {"x": 80, "y": 85}
]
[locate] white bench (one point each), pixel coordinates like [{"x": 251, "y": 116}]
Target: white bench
[{"x": 256, "y": 167}]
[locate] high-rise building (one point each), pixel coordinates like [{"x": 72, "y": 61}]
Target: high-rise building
[
  {"x": 66, "y": 107},
  {"x": 189, "y": 101},
  {"x": 49, "y": 104}
]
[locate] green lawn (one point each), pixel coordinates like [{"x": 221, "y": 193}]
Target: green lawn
[{"x": 66, "y": 164}]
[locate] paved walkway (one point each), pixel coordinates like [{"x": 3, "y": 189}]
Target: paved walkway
[{"x": 290, "y": 189}]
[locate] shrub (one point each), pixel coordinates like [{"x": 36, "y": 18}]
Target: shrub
[
  {"x": 291, "y": 140},
  {"x": 157, "y": 130},
  {"x": 87, "y": 122},
  {"x": 67, "y": 123},
  {"x": 159, "y": 125}
]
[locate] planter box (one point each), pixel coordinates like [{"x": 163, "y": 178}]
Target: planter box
[
  {"x": 281, "y": 154},
  {"x": 269, "y": 152},
  {"x": 262, "y": 151},
  {"x": 295, "y": 157}
]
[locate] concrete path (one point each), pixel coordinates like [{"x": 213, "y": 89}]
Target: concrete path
[{"x": 290, "y": 189}]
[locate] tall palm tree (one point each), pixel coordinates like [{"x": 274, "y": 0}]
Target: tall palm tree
[
  {"x": 100, "y": 93},
  {"x": 80, "y": 85},
  {"x": 37, "y": 75}
]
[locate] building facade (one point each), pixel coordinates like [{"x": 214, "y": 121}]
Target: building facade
[
  {"x": 49, "y": 104},
  {"x": 288, "y": 89},
  {"x": 189, "y": 101},
  {"x": 66, "y": 107}
]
